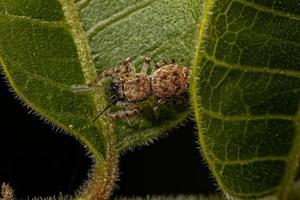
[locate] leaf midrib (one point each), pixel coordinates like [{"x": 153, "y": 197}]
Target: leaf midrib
[{"x": 72, "y": 18}]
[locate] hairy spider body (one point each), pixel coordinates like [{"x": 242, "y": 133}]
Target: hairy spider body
[
  {"x": 167, "y": 81},
  {"x": 170, "y": 81},
  {"x": 136, "y": 87}
]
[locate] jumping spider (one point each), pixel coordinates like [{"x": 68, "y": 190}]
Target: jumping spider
[{"x": 168, "y": 81}]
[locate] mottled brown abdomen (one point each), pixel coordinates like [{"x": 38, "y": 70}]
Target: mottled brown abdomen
[{"x": 170, "y": 81}]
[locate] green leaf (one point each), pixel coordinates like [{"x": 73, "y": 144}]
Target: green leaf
[
  {"x": 118, "y": 29},
  {"x": 295, "y": 192},
  {"x": 245, "y": 91},
  {"x": 47, "y": 46}
]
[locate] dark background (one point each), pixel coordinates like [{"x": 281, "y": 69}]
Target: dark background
[{"x": 38, "y": 161}]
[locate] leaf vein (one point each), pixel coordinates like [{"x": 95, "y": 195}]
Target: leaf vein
[
  {"x": 218, "y": 115},
  {"x": 292, "y": 167},
  {"x": 34, "y": 21},
  {"x": 269, "y": 10},
  {"x": 45, "y": 79},
  {"x": 101, "y": 25},
  {"x": 253, "y": 160},
  {"x": 257, "y": 69}
]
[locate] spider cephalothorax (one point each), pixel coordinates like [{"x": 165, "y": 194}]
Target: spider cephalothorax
[
  {"x": 167, "y": 81},
  {"x": 136, "y": 87}
]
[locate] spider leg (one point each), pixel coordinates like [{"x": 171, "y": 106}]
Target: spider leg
[
  {"x": 163, "y": 63},
  {"x": 131, "y": 109},
  {"x": 175, "y": 101},
  {"x": 123, "y": 114},
  {"x": 169, "y": 61},
  {"x": 145, "y": 67},
  {"x": 126, "y": 67},
  {"x": 80, "y": 89},
  {"x": 126, "y": 104},
  {"x": 129, "y": 63},
  {"x": 158, "y": 65},
  {"x": 155, "y": 107}
]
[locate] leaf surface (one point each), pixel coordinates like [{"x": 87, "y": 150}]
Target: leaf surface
[
  {"x": 245, "y": 91},
  {"x": 166, "y": 29},
  {"x": 48, "y": 46}
]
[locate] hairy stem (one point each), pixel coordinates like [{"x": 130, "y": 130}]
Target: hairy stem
[
  {"x": 7, "y": 192},
  {"x": 104, "y": 176}
]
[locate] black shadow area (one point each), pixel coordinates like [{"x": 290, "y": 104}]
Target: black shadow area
[{"x": 38, "y": 161}]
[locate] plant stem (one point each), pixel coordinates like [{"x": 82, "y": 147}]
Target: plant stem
[
  {"x": 7, "y": 192},
  {"x": 104, "y": 176}
]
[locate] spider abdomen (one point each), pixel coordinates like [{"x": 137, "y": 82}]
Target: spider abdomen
[{"x": 170, "y": 81}]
